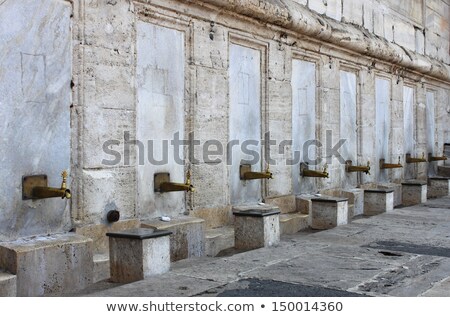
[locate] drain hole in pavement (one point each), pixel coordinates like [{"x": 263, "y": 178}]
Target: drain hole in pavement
[{"x": 387, "y": 253}]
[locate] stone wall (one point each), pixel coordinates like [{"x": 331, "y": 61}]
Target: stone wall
[
  {"x": 403, "y": 43},
  {"x": 108, "y": 48},
  {"x": 420, "y": 26}
]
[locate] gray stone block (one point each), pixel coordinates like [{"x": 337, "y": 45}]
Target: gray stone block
[
  {"x": 438, "y": 187},
  {"x": 138, "y": 253},
  {"x": 414, "y": 193},
  {"x": 377, "y": 201},
  {"x": 49, "y": 264},
  {"x": 256, "y": 227},
  {"x": 328, "y": 212}
]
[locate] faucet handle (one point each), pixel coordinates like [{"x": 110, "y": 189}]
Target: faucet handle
[
  {"x": 267, "y": 168},
  {"x": 188, "y": 177},
  {"x": 368, "y": 163},
  {"x": 67, "y": 194},
  {"x": 64, "y": 175},
  {"x": 399, "y": 160},
  {"x": 423, "y": 155},
  {"x": 325, "y": 167}
]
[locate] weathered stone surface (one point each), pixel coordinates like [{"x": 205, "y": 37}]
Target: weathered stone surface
[
  {"x": 214, "y": 217},
  {"x": 377, "y": 201},
  {"x": 8, "y": 285},
  {"x": 293, "y": 222},
  {"x": 286, "y": 204},
  {"x": 135, "y": 259},
  {"x": 218, "y": 239},
  {"x": 296, "y": 17},
  {"x": 355, "y": 198},
  {"x": 187, "y": 238},
  {"x": 101, "y": 267},
  {"x": 49, "y": 264},
  {"x": 110, "y": 125},
  {"x": 100, "y": 242},
  {"x": 258, "y": 230},
  {"x": 444, "y": 170},
  {"x": 36, "y": 63},
  {"x": 160, "y": 116},
  {"x": 438, "y": 187},
  {"x": 107, "y": 189},
  {"x": 397, "y": 192},
  {"x": 414, "y": 193},
  {"x": 303, "y": 203},
  {"x": 328, "y": 212}
]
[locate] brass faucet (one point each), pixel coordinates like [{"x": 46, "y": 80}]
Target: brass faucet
[
  {"x": 306, "y": 172},
  {"x": 245, "y": 173},
  {"x": 390, "y": 165},
  {"x": 432, "y": 158},
  {"x": 40, "y": 192},
  {"x": 354, "y": 168},
  {"x": 167, "y": 186},
  {"x": 410, "y": 159}
]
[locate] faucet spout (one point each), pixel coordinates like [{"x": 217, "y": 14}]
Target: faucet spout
[
  {"x": 162, "y": 184},
  {"x": 432, "y": 158},
  {"x": 384, "y": 165},
  {"x": 247, "y": 174},
  {"x": 306, "y": 172},
  {"x": 411, "y": 160},
  {"x": 354, "y": 168},
  {"x": 50, "y": 192},
  {"x": 176, "y": 187},
  {"x": 41, "y": 192}
]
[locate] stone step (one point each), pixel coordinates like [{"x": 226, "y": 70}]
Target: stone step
[
  {"x": 293, "y": 222},
  {"x": 101, "y": 267},
  {"x": 8, "y": 285},
  {"x": 218, "y": 239},
  {"x": 444, "y": 171}
]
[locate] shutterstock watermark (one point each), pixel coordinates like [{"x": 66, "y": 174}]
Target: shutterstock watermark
[{"x": 161, "y": 152}]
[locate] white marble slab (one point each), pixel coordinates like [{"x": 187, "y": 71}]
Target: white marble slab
[
  {"x": 383, "y": 123},
  {"x": 245, "y": 120},
  {"x": 160, "y": 114},
  {"x": 35, "y": 98},
  {"x": 303, "y": 120}
]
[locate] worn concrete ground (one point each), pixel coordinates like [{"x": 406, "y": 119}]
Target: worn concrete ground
[{"x": 405, "y": 252}]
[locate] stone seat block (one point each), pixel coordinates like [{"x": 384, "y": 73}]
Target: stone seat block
[
  {"x": 256, "y": 226},
  {"x": 135, "y": 254}
]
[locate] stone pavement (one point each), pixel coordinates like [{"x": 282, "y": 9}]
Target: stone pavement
[{"x": 405, "y": 252}]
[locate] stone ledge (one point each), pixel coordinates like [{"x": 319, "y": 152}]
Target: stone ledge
[
  {"x": 8, "y": 285},
  {"x": 293, "y": 222},
  {"x": 255, "y": 211},
  {"x": 414, "y": 183},
  {"x": 139, "y": 233},
  {"x": 329, "y": 199},
  {"x": 379, "y": 190},
  {"x": 56, "y": 263},
  {"x": 101, "y": 267},
  {"x": 218, "y": 239}
]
